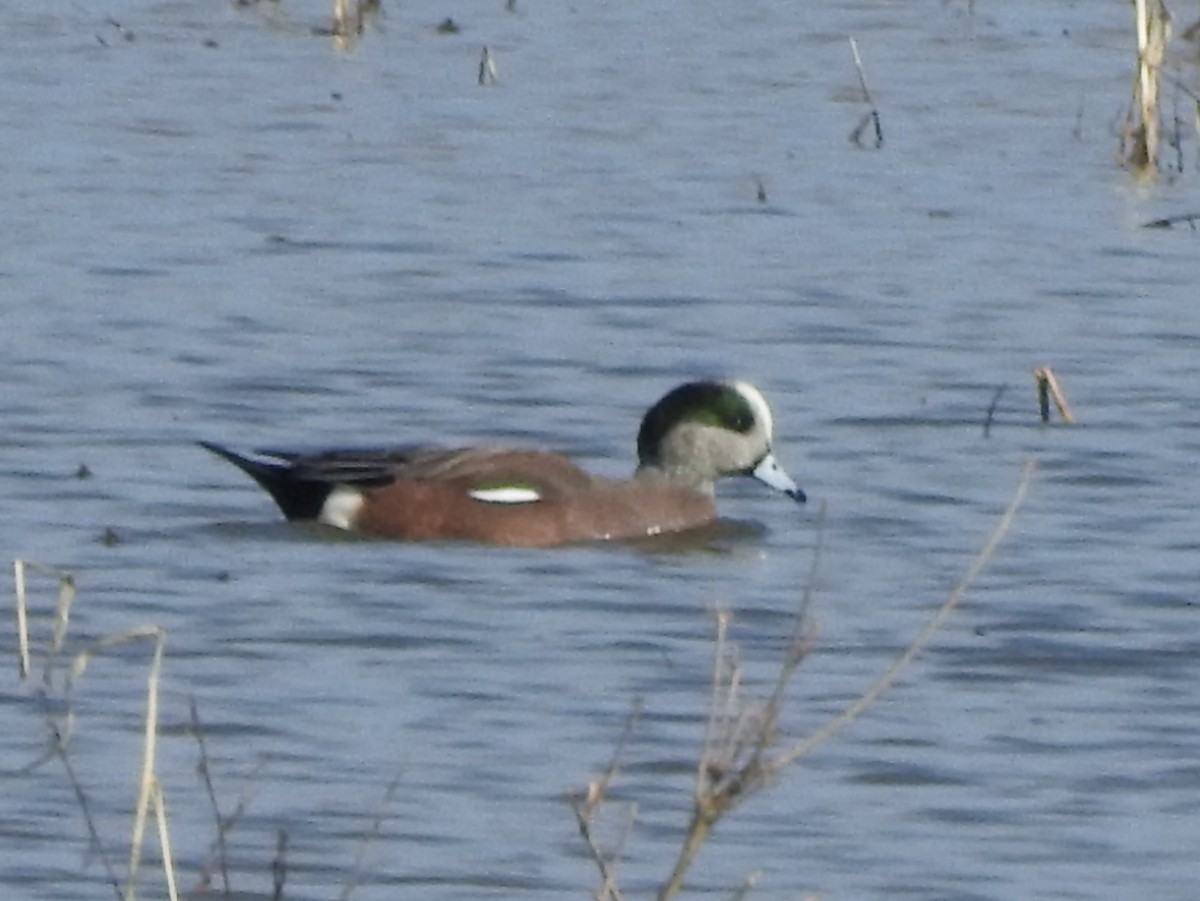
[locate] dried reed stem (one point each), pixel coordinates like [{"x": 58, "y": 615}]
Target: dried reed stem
[
  {"x": 872, "y": 116},
  {"x": 22, "y": 621},
  {"x": 150, "y": 792},
  {"x": 1048, "y": 388},
  {"x": 60, "y": 730},
  {"x": 346, "y": 19},
  {"x": 62, "y": 619},
  {"x": 147, "y": 779},
  {"x": 62, "y": 612},
  {"x": 164, "y": 839},
  {"x": 1142, "y": 132},
  {"x": 148, "y": 782}
]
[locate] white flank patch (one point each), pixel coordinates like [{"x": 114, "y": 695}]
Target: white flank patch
[
  {"x": 506, "y": 494},
  {"x": 758, "y": 404},
  {"x": 340, "y": 509}
]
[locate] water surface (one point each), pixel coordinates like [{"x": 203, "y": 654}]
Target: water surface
[{"x": 224, "y": 228}]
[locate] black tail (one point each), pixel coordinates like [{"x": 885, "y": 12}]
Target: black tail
[{"x": 298, "y": 498}]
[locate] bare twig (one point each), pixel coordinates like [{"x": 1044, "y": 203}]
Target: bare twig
[
  {"x": 205, "y": 773},
  {"x": 589, "y": 803},
  {"x": 885, "y": 681},
  {"x": 738, "y": 736},
  {"x": 583, "y": 817},
  {"x": 370, "y": 836},
  {"x": 61, "y": 736},
  {"x": 226, "y": 823},
  {"x": 736, "y": 777},
  {"x": 801, "y": 639}
]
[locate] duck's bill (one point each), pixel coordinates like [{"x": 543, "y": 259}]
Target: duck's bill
[{"x": 770, "y": 473}]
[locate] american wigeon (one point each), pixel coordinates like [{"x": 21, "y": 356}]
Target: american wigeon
[{"x": 696, "y": 434}]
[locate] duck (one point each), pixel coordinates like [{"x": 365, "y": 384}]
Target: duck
[{"x": 695, "y": 435}]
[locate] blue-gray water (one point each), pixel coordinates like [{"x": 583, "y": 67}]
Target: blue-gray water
[{"x": 225, "y": 228}]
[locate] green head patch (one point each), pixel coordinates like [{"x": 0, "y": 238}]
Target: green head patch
[{"x": 703, "y": 403}]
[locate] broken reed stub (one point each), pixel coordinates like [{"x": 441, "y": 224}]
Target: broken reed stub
[
  {"x": 347, "y": 22},
  {"x": 1049, "y": 389},
  {"x": 1141, "y": 135},
  {"x": 487, "y": 68},
  {"x": 872, "y": 115}
]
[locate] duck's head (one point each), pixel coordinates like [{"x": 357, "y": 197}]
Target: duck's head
[{"x": 704, "y": 431}]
